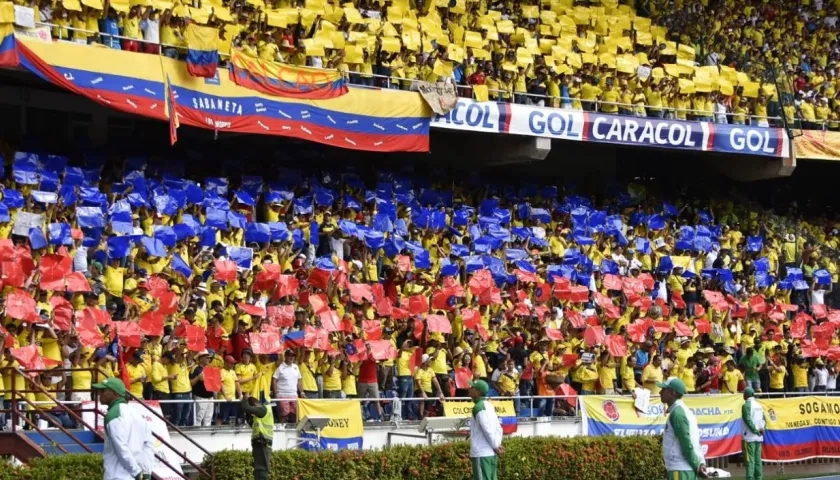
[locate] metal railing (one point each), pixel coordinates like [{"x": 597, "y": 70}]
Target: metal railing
[
  {"x": 17, "y": 415},
  {"x": 380, "y": 81}
]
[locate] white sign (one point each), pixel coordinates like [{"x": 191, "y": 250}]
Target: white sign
[
  {"x": 39, "y": 33},
  {"x": 160, "y": 470},
  {"x": 24, "y": 16},
  {"x": 643, "y": 72},
  {"x": 25, "y": 221}
]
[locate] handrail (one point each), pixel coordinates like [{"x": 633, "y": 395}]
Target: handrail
[
  {"x": 38, "y": 429},
  {"x": 512, "y": 95}
]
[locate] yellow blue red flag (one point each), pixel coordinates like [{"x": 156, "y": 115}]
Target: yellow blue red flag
[
  {"x": 504, "y": 410},
  {"x": 202, "y": 50},
  {"x": 282, "y": 80},
  {"x": 8, "y": 50}
]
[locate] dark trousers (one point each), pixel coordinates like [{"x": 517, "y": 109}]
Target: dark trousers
[{"x": 262, "y": 458}]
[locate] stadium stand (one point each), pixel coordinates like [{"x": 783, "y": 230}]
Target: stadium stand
[
  {"x": 596, "y": 56},
  {"x": 329, "y": 282}
]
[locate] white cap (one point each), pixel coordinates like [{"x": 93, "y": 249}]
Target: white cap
[{"x": 424, "y": 358}]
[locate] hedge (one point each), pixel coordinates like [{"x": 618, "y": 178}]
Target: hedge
[{"x": 577, "y": 458}]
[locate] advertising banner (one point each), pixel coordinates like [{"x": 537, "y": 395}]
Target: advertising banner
[
  {"x": 504, "y": 409},
  {"x": 718, "y": 416},
  {"x": 344, "y": 430},
  {"x": 801, "y": 428},
  {"x": 565, "y": 124}
]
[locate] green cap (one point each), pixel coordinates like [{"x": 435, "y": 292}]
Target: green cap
[
  {"x": 481, "y": 386},
  {"x": 674, "y": 383},
  {"x": 749, "y": 392},
  {"x": 111, "y": 383}
]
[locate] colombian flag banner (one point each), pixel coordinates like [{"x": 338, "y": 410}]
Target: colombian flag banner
[
  {"x": 801, "y": 428},
  {"x": 363, "y": 119},
  {"x": 8, "y": 50},
  {"x": 282, "y": 80},
  {"x": 345, "y": 430},
  {"x": 202, "y": 50},
  {"x": 504, "y": 409},
  {"x": 718, "y": 416}
]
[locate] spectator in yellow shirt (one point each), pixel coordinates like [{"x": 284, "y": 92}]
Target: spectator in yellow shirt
[{"x": 731, "y": 378}]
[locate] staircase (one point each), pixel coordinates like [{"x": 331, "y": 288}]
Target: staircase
[{"x": 54, "y": 442}]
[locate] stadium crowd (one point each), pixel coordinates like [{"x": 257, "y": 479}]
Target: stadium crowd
[
  {"x": 325, "y": 284},
  {"x": 564, "y": 53}
]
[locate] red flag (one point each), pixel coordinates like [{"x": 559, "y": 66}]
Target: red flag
[
  {"x": 320, "y": 278},
  {"x": 703, "y": 326},
  {"x": 525, "y": 277},
  {"x": 330, "y": 321},
  {"x": 612, "y": 282},
  {"x": 578, "y": 294},
  {"x": 575, "y": 319},
  {"x": 21, "y": 306},
  {"x": 463, "y": 377},
  {"x": 157, "y": 286},
  {"x": 490, "y": 296},
  {"x": 100, "y": 317},
  {"x": 360, "y": 292},
  {"x": 594, "y": 335},
  {"x": 418, "y": 304},
  {"x": 13, "y": 275},
  {"x": 616, "y": 345},
  {"x": 602, "y": 300},
  {"x": 662, "y": 326},
  {"x": 542, "y": 293},
  {"x": 637, "y": 332},
  {"x": 62, "y": 313},
  {"x": 151, "y": 323},
  {"x": 212, "y": 379},
  {"x": 196, "y": 340},
  {"x": 415, "y": 360},
  {"x": 253, "y": 310},
  {"x": 319, "y": 302},
  {"x": 88, "y": 332},
  {"x": 225, "y": 270},
  {"x": 373, "y": 329},
  {"x": 444, "y": 300},
  {"x": 683, "y": 330},
  {"x": 438, "y": 323},
  {"x": 281, "y": 315},
  {"x": 77, "y": 283},
  {"x": 266, "y": 343},
  {"x": 382, "y": 350},
  {"x": 287, "y": 286},
  {"x": 168, "y": 303},
  {"x": 480, "y": 281},
  {"x": 554, "y": 334},
  {"x": 129, "y": 334},
  {"x": 53, "y": 268},
  {"x": 819, "y": 311},
  {"x": 570, "y": 359},
  {"x": 316, "y": 338}
]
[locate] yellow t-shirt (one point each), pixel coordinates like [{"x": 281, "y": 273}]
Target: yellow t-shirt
[
  {"x": 181, "y": 382},
  {"x": 800, "y": 376},
  {"x": 136, "y": 372},
  {"x": 424, "y": 377},
  {"x": 730, "y": 381},
  {"x": 777, "y": 378},
  {"x": 404, "y": 362},
  {"x": 244, "y": 371},
  {"x": 159, "y": 374},
  {"x": 332, "y": 381},
  {"x": 114, "y": 278},
  {"x": 228, "y": 383},
  {"x": 650, "y": 376}
]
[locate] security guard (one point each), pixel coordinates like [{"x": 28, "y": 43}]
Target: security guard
[
  {"x": 681, "y": 440},
  {"x": 262, "y": 434}
]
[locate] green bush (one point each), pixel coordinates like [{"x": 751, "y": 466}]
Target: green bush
[
  {"x": 56, "y": 467},
  {"x": 578, "y": 458}
]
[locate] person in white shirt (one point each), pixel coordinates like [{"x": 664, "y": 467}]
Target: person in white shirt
[
  {"x": 485, "y": 434},
  {"x": 129, "y": 446},
  {"x": 288, "y": 386},
  {"x": 820, "y": 376}
]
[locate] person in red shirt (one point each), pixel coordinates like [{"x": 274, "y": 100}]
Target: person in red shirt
[
  {"x": 477, "y": 78},
  {"x": 367, "y": 385}
]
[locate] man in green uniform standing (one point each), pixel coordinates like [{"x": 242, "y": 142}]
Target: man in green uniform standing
[
  {"x": 262, "y": 434},
  {"x": 752, "y": 414},
  {"x": 681, "y": 441}
]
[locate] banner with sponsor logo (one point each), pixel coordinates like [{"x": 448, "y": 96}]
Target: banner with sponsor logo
[
  {"x": 493, "y": 117},
  {"x": 565, "y": 124},
  {"x": 817, "y": 145},
  {"x": 504, "y": 409},
  {"x": 345, "y": 430},
  {"x": 718, "y": 416},
  {"x": 801, "y": 428}
]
